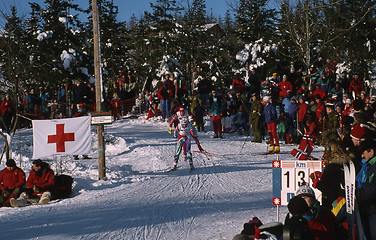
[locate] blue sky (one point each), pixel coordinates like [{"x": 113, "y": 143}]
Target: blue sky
[{"x": 126, "y": 7}]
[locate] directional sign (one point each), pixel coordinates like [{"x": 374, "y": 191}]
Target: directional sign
[
  {"x": 101, "y": 118},
  {"x": 288, "y": 176}
]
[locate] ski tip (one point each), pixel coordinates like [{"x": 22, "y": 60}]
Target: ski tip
[{"x": 171, "y": 169}]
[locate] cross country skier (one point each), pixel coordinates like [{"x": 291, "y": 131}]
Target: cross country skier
[
  {"x": 184, "y": 128},
  {"x": 182, "y": 113}
]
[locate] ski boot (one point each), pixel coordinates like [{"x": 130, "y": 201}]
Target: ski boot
[
  {"x": 19, "y": 202},
  {"x": 276, "y": 149},
  {"x": 45, "y": 198},
  {"x": 173, "y": 168},
  {"x": 271, "y": 150}
]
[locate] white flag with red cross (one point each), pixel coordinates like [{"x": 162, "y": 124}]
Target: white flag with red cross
[{"x": 67, "y": 136}]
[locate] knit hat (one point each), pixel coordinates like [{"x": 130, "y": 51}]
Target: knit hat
[
  {"x": 359, "y": 132},
  {"x": 11, "y": 163},
  {"x": 275, "y": 74},
  {"x": 305, "y": 190},
  {"x": 266, "y": 99},
  {"x": 297, "y": 206}
]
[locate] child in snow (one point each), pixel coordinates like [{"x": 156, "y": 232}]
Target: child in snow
[
  {"x": 139, "y": 104},
  {"x": 115, "y": 106},
  {"x": 184, "y": 128},
  {"x": 309, "y": 137},
  {"x": 153, "y": 106}
]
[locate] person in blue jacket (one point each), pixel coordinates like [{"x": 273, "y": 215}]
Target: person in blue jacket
[
  {"x": 271, "y": 121},
  {"x": 366, "y": 188}
]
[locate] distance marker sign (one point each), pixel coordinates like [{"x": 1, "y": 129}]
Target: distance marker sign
[{"x": 288, "y": 176}]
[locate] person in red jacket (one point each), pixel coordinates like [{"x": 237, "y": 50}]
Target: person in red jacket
[
  {"x": 356, "y": 85},
  {"x": 302, "y": 111},
  {"x": 165, "y": 94},
  {"x": 238, "y": 83},
  {"x": 12, "y": 178},
  {"x": 319, "y": 91},
  {"x": 284, "y": 86},
  {"x": 40, "y": 183},
  {"x": 320, "y": 108},
  {"x": 303, "y": 152},
  {"x": 6, "y": 112}
]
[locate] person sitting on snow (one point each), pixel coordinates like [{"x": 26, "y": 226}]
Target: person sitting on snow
[
  {"x": 39, "y": 185},
  {"x": 240, "y": 121},
  {"x": 138, "y": 108},
  {"x": 185, "y": 128},
  {"x": 12, "y": 179}
]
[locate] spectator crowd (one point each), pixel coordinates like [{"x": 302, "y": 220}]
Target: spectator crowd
[{"x": 314, "y": 108}]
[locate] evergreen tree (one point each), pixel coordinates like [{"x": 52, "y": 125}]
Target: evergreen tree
[
  {"x": 139, "y": 45},
  {"x": 58, "y": 54},
  {"x": 114, "y": 38},
  {"x": 163, "y": 31},
  {"x": 357, "y": 44},
  {"x": 227, "y": 23},
  {"x": 13, "y": 54},
  {"x": 254, "y": 20}
]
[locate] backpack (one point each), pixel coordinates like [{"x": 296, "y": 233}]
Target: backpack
[{"x": 63, "y": 186}]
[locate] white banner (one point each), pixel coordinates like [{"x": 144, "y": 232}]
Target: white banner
[{"x": 67, "y": 136}]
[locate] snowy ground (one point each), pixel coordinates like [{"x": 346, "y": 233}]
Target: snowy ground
[{"x": 139, "y": 200}]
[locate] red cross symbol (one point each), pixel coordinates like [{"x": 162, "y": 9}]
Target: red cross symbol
[{"x": 60, "y": 138}]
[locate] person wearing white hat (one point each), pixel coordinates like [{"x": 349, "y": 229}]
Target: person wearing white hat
[{"x": 321, "y": 220}]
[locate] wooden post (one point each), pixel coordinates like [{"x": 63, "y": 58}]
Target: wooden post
[{"x": 98, "y": 91}]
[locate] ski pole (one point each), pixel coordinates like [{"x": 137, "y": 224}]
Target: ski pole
[{"x": 243, "y": 144}]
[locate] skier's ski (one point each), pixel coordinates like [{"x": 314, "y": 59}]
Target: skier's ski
[
  {"x": 205, "y": 152},
  {"x": 268, "y": 153},
  {"x": 171, "y": 169},
  {"x": 350, "y": 195}
]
